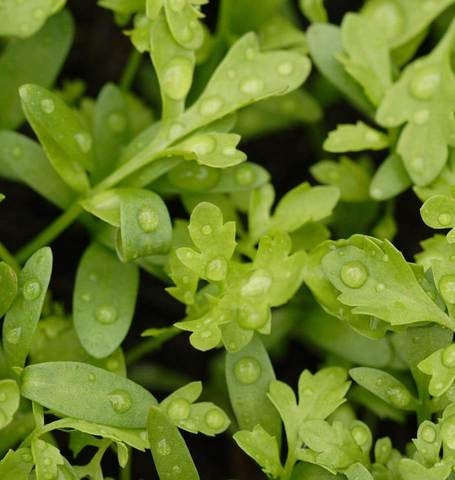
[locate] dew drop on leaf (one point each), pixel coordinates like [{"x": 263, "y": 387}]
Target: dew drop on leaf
[
  {"x": 285, "y": 69},
  {"x": 354, "y": 274},
  {"x": 116, "y": 122},
  {"x": 178, "y": 409},
  {"x": 203, "y": 145},
  {"x": 47, "y": 105},
  {"x": 13, "y": 335},
  {"x": 177, "y": 77},
  {"x": 398, "y": 396},
  {"x": 112, "y": 364},
  {"x": 360, "y": 435},
  {"x": 147, "y": 219},
  {"x": 428, "y": 434},
  {"x": 425, "y": 82},
  {"x": 417, "y": 163},
  {"x": 244, "y": 175},
  {"x": 91, "y": 377},
  {"x": 252, "y": 85},
  {"x": 258, "y": 284},
  {"x": 120, "y": 400},
  {"x": 380, "y": 287},
  {"x": 206, "y": 230},
  {"x": 106, "y": 314},
  {"x": 210, "y": 106},
  {"x": 447, "y": 288},
  {"x": 216, "y": 269},
  {"x": 445, "y": 219},
  {"x": 215, "y": 419},
  {"x": 229, "y": 151},
  {"x": 421, "y": 117},
  {"x": 163, "y": 448},
  {"x": 31, "y": 289},
  {"x": 247, "y": 370},
  {"x": 17, "y": 152},
  {"x": 38, "y": 14},
  {"x": 84, "y": 141}
]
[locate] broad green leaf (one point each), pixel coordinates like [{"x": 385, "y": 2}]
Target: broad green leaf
[
  {"x": 325, "y": 45},
  {"x": 27, "y": 163},
  {"x": 169, "y": 451},
  {"x": 367, "y": 55},
  {"x": 261, "y": 447},
  {"x": 390, "y": 179},
  {"x": 104, "y": 300},
  {"x": 355, "y": 138},
  {"x": 385, "y": 386},
  {"x": 351, "y": 178},
  {"x": 47, "y": 459},
  {"x": 441, "y": 367},
  {"x": 412, "y": 470},
  {"x": 22, "y": 318},
  {"x": 9, "y": 401},
  {"x": 8, "y": 281},
  {"x": 376, "y": 280},
  {"x": 16, "y": 465},
  {"x": 62, "y": 133},
  {"x": 22, "y": 19},
  {"x": 248, "y": 375},
  {"x": 423, "y": 98},
  {"x": 88, "y": 393},
  {"x": 22, "y": 61},
  {"x": 439, "y": 212}
]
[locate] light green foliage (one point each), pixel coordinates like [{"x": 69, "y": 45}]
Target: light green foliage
[
  {"x": 353, "y": 138},
  {"x": 9, "y": 396},
  {"x": 16, "y": 465},
  {"x": 8, "y": 280},
  {"x": 390, "y": 179},
  {"x": 314, "y": 10},
  {"x": 438, "y": 212}
]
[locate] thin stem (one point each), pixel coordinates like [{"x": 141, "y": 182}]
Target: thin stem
[
  {"x": 289, "y": 466},
  {"x": 49, "y": 233},
  {"x": 130, "y": 70},
  {"x": 148, "y": 346},
  {"x": 125, "y": 473},
  {"x": 8, "y": 257}
]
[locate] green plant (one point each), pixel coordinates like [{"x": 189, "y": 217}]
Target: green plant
[{"x": 255, "y": 275}]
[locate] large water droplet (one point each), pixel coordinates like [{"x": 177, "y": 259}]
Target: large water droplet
[
  {"x": 285, "y": 69},
  {"x": 360, "y": 435},
  {"x": 244, "y": 175},
  {"x": 258, "y": 283},
  {"x": 252, "y": 319},
  {"x": 448, "y": 356},
  {"x": 203, "y": 145},
  {"x": 177, "y": 77},
  {"x": 31, "y": 289},
  {"x": 447, "y": 288},
  {"x": 106, "y": 314},
  {"x": 176, "y": 470},
  {"x": 215, "y": 419},
  {"x": 179, "y": 409},
  {"x": 417, "y": 163},
  {"x": 425, "y": 82},
  {"x": 354, "y": 274},
  {"x": 113, "y": 364},
  {"x": 206, "y": 230},
  {"x": 83, "y": 141},
  {"x": 210, "y": 106},
  {"x": 47, "y": 105},
  {"x": 147, "y": 219},
  {"x": 445, "y": 219},
  {"x": 163, "y": 448},
  {"x": 252, "y": 85},
  {"x": 13, "y": 335},
  {"x": 117, "y": 122},
  {"x": 398, "y": 396},
  {"x": 120, "y": 400},
  {"x": 428, "y": 433},
  {"x": 247, "y": 370},
  {"x": 216, "y": 269}
]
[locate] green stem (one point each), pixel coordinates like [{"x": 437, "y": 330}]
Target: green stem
[
  {"x": 49, "y": 233},
  {"x": 130, "y": 70},
  {"x": 148, "y": 346},
  {"x": 289, "y": 465},
  {"x": 8, "y": 257},
  {"x": 125, "y": 473}
]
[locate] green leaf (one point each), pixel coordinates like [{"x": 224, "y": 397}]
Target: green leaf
[
  {"x": 22, "y": 318},
  {"x": 183, "y": 21},
  {"x": 385, "y": 386},
  {"x": 9, "y": 401},
  {"x": 248, "y": 375},
  {"x": 325, "y": 45},
  {"x": 122, "y": 6},
  {"x": 88, "y": 393},
  {"x": 27, "y": 163},
  {"x": 104, "y": 300},
  {"x": 358, "y": 472},
  {"x": 412, "y": 470},
  {"x": 376, "y": 280},
  {"x": 8, "y": 281},
  {"x": 22, "y": 19},
  {"x": 169, "y": 451},
  {"x": 16, "y": 465},
  {"x": 422, "y": 98},
  {"x": 439, "y": 212},
  {"x": 62, "y": 133},
  {"x": 261, "y": 447},
  {"x": 355, "y": 138},
  {"x": 367, "y": 56},
  {"x": 390, "y": 179},
  {"x": 314, "y": 10},
  {"x": 441, "y": 367},
  {"x": 47, "y": 458},
  {"x": 22, "y": 61}
]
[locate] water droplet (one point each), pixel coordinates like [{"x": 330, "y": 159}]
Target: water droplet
[
  {"x": 216, "y": 269},
  {"x": 38, "y": 14},
  {"x": 47, "y": 105},
  {"x": 210, "y": 106},
  {"x": 86, "y": 297},
  {"x": 177, "y": 77},
  {"x": 120, "y": 400},
  {"x": 417, "y": 163},
  {"x": 91, "y": 377},
  {"x": 176, "y": 470},
  {"x": 175, "y": 130},
  {"x": 360, "y": 435},
  {"x": 179, "y": 409},
  {"x": 398, "y": 396},
  {"x": 421, "y": 117},
  {"x": 258, "y": 283},
  {"x": 380, "y": 287},
  {"x": 113, "y": 364},
  {"x": 13, "y": 335},
  {"x": 445, "y": 219},
  {"x": 147, "y": 219},
  {"x": 31, "y": 289},
  {"x": 215, "y": 419},
  {"x": 425, "y": 82},
  {"x": 17, "y": 152},
  {"x": 206, "y": 230},
  {"x": 252, "y": 85},
  {"x": 47, "y": 461},
  {"x": 252, "y": 319},
  {"x": 428, "y": 433},
  {"x": 354, "y": 274},
  {"x": 203, "y": 145},
  {"x": 93, "y": 277},
  {"x": 206, "y": 333},
  {"x": 247, "y": 370},
  {"x": 229, "y": 151},
  {"x": 372, "y": 137},
  {"x": 117, "y": 122},
  {"x": 163, "y": 448},
  {"x": 447, "y": 288},
  {"x": 84, "y": 141},
  {"x": 448, "y": 356},
  {"x": 177, "y": 5},
  {"x": 285, "y": 69},
  {"x": 244, "y": 175},
  {"x": 106, "y": 314}
]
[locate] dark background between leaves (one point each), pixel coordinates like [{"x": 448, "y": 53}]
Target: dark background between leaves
[{"x": 99, "y": 53}]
